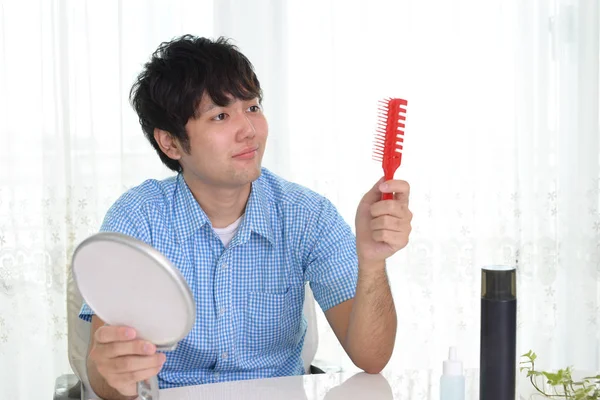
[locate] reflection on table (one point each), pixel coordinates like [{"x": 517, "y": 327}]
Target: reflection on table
[{"x": 409, "y": 384}]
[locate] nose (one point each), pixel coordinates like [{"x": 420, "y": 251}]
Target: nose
[{"x": 246, "y": 128}]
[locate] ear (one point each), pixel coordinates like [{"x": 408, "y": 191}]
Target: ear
[{"x": 167, "y": 144}]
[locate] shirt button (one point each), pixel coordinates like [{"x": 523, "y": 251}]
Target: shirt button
[
  {"x": 221, "y": 311},
  {"x": 216, "y": 375},
  {"x": 224, "y": 266},
  {"x": 225, "y": 355}
]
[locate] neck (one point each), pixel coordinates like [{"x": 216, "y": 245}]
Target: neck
[{"x": 222, "y": 205}]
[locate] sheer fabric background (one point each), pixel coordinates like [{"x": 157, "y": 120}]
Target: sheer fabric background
[{"x": 502, "y": 153}]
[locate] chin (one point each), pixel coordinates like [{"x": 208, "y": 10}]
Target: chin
[
  {"x": 255, "y": 174},
  {"x": 248, "y": 176}
]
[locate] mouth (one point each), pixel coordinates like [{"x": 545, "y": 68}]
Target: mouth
[{"x": 246, "y": 154}]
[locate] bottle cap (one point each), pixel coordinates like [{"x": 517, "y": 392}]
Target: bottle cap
[
  {"x": 499, "y": 283},
  {"x": 452, "y": 366}
]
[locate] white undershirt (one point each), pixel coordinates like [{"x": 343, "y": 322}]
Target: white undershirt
[{"x": 227, "y": 233}]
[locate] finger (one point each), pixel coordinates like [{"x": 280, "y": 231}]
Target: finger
[
  {"x": 126, "y": 383},
  {"x": 401, "y": 189},
  {"x": 392, "y": 238},
  {"x": 393, "y": 208},
  {"x": 108, "y": 334},
  {"x": 403, "y": 198},
  {"x": 131, "y": 347},
  {"x": 387, "y": 222},
  {"x": 126, "y": 364},
  {"x": 138, "y": 376}
]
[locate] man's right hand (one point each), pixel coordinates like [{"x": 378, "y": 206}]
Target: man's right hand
[{"x": 122, "y": 360}]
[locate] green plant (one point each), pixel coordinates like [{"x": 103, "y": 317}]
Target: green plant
[{"x": 561, "y": 383}]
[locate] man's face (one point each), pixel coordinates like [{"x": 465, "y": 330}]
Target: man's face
[{"x": 226, "y": 143}]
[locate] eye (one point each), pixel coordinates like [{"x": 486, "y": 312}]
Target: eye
[
  {"x": 255, "y": 108},
  {"x": 219, "y": 117}
]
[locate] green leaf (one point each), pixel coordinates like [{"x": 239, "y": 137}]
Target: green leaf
[
  {"x": 530, "y": 355},
  {"x": 580, "y": 396},
  {"x": 553, "y": 378},
  {"x": 564, "y": 375},
  {"x": 583, "y": 393}
]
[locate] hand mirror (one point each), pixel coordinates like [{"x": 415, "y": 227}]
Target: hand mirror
[{"x": 127, "y": 282}]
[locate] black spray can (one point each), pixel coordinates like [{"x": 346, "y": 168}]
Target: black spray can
[{"x": 498, "y": 352}]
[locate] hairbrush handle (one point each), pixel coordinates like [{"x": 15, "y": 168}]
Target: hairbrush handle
[
  {"x": 390, "y": 166},
  {"x": 387, "y": 196}
]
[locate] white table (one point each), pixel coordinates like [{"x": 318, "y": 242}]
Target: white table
[
  {"x": 412, "y": 384},
  {"x": 405, "y": 385}
]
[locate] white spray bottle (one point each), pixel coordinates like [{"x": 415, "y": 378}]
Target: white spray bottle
[{"x": 452, "y": 382}]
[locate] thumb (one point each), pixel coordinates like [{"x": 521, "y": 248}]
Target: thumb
[{"x": 374, "y": 194}]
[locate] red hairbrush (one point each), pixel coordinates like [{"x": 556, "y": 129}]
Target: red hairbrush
[{"x": 390, "y": 137}]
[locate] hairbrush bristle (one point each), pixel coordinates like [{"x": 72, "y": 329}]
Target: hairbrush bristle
[{"x": 389, "y": 137}]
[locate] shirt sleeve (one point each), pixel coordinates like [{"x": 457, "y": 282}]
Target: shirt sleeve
[
  {"x": 120, "y": 218},
  {"x": 331, "y": 260}
]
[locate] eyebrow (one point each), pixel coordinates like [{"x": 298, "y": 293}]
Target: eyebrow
[
  {"x": 208, "y": 108},
  {"x": 212, "y": 106}
]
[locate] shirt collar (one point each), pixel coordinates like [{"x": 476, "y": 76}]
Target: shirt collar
[
  {"x": 257, "y": 218},
  {"x": 189, "y": 217}
]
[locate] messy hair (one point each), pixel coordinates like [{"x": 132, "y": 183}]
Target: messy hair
[{"x": 168, "y": 91}]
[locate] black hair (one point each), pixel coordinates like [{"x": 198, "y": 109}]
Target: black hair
[{"x": 168, "y": 91}]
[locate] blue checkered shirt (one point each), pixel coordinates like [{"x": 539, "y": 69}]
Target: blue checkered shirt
[{"x": 249, "y": 295}]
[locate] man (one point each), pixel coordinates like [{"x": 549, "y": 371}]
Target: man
[{"x": 245, "y": 239}]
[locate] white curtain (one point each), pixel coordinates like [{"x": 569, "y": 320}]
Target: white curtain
[{"x": 502, "y": 151}]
